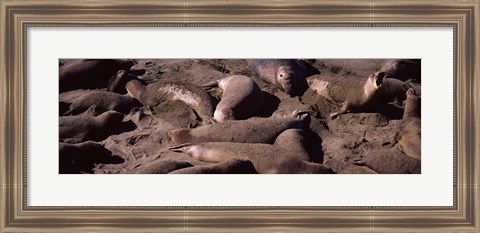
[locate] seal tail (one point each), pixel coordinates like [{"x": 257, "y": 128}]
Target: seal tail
[{"x": 182, "y": 148}]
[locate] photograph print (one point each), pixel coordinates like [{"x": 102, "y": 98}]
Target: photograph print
[{"x": 240, "y": 116}]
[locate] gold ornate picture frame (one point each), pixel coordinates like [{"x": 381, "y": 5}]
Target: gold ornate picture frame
[{"x": 17, "y": 16}]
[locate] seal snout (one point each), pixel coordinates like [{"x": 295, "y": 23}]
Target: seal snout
[{"x": 286, "y": 78}]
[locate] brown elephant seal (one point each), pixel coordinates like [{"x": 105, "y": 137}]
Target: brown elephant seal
[
  {"x": 241, "y": 98},
  {"x": 408, "y": 130},
  {"x": 376, "y": 90},
  {"x": 82, "y": 157},
  {"x": 164, "y": 167},
  {"x": 79, "y": 128},
  {"x": 90, "y": 73},
  {"x": 253, "y": 130},
  {"x": 118, "y": 82},
  {"x": 231, "y": 166},
  {"x": 104, "y": 101},
  {"x": 387, "y": 162},
  {"x": 286, "y": 74},
  {"x": 298, "y": 136},
  {"x": 403, "y": 69},
  {"x": 266, "y": 158},
  {"x": 153, "y": 94}
]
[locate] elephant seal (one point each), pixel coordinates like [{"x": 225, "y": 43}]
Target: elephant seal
[
  {"x": 408, "y": 130},
  {"x": 403, "y": 69},
  {"x": 118, "y": 82},
  {"x": 153, "y": 94},
  {"x": 376, "y": 90},
  {"x": 79, "y": 129},
  {"x": 90, "y": 73},
  {"x": 231, "y": 166},
  {"x": 82, "y": 157},
  {"x": 104, "y": 101},
  {"x": 252, "y": 130},
  {"x": 266, "y": 158},
  {"x": 241, "y": 98},
  {"x": 286, "y": 74},
  {"x": 164, "y": 167},
  {"x": 387, "y": 162}
]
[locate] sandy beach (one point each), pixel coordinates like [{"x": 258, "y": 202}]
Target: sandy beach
[{"x": 142, "y": 144}]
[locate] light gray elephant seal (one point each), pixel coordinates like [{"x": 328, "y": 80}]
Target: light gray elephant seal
[
  {"x": 79, "y": 129},
  {"x": 253, "y": 130},
  {"x": 266, "y": 158},
  {"x": 376, "y": 90},
  {"x": 241, "y": 98},
  {"x": 90, "y": 73},
  {"x": 408, "y": 130},
  {"x": 104, "y": 101},
  {"x": 82, "y": 157},
  {"x": 153, "y": 94},
  {"x": 231, "y": 166},
  {"x": 403, "y": 69},
  {"x": 286, "y": 74}
]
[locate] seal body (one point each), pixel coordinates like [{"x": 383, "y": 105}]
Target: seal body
[
  {"x": 79, "y": 129},
  {"x": 286, "y": 74},
  {"x": 403, "y": 69},
  {"x": 388, "y": 162},
  {"x": 266, "y": 158},
  {"x": 164, "y": 167},
  {"x": 104, "y": 100},
  {"x": 253, "y": 130},
  {"x": 241, "y": 98},
  {"x": 408, "y": 130},
  {"x": 90, "y": 73},
  {"x": 231, "y": 166},
  {"x": 153, "y": 94}
]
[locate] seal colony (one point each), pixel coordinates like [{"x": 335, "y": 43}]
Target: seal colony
[{"x": 235, "y": 116}]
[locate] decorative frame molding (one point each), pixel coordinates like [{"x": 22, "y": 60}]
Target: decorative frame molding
[{"x": 16, "y": 16}]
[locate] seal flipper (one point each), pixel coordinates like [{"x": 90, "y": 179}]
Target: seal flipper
[
  {"x": 343, "y": 110},
  {"x": 360, "y": 161},
  {"x": 301, "y": 114},
  {"x": 205, "y": 120},
  {"x": 210, "y": 85},
  {"x": 208, "y": 121}
]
